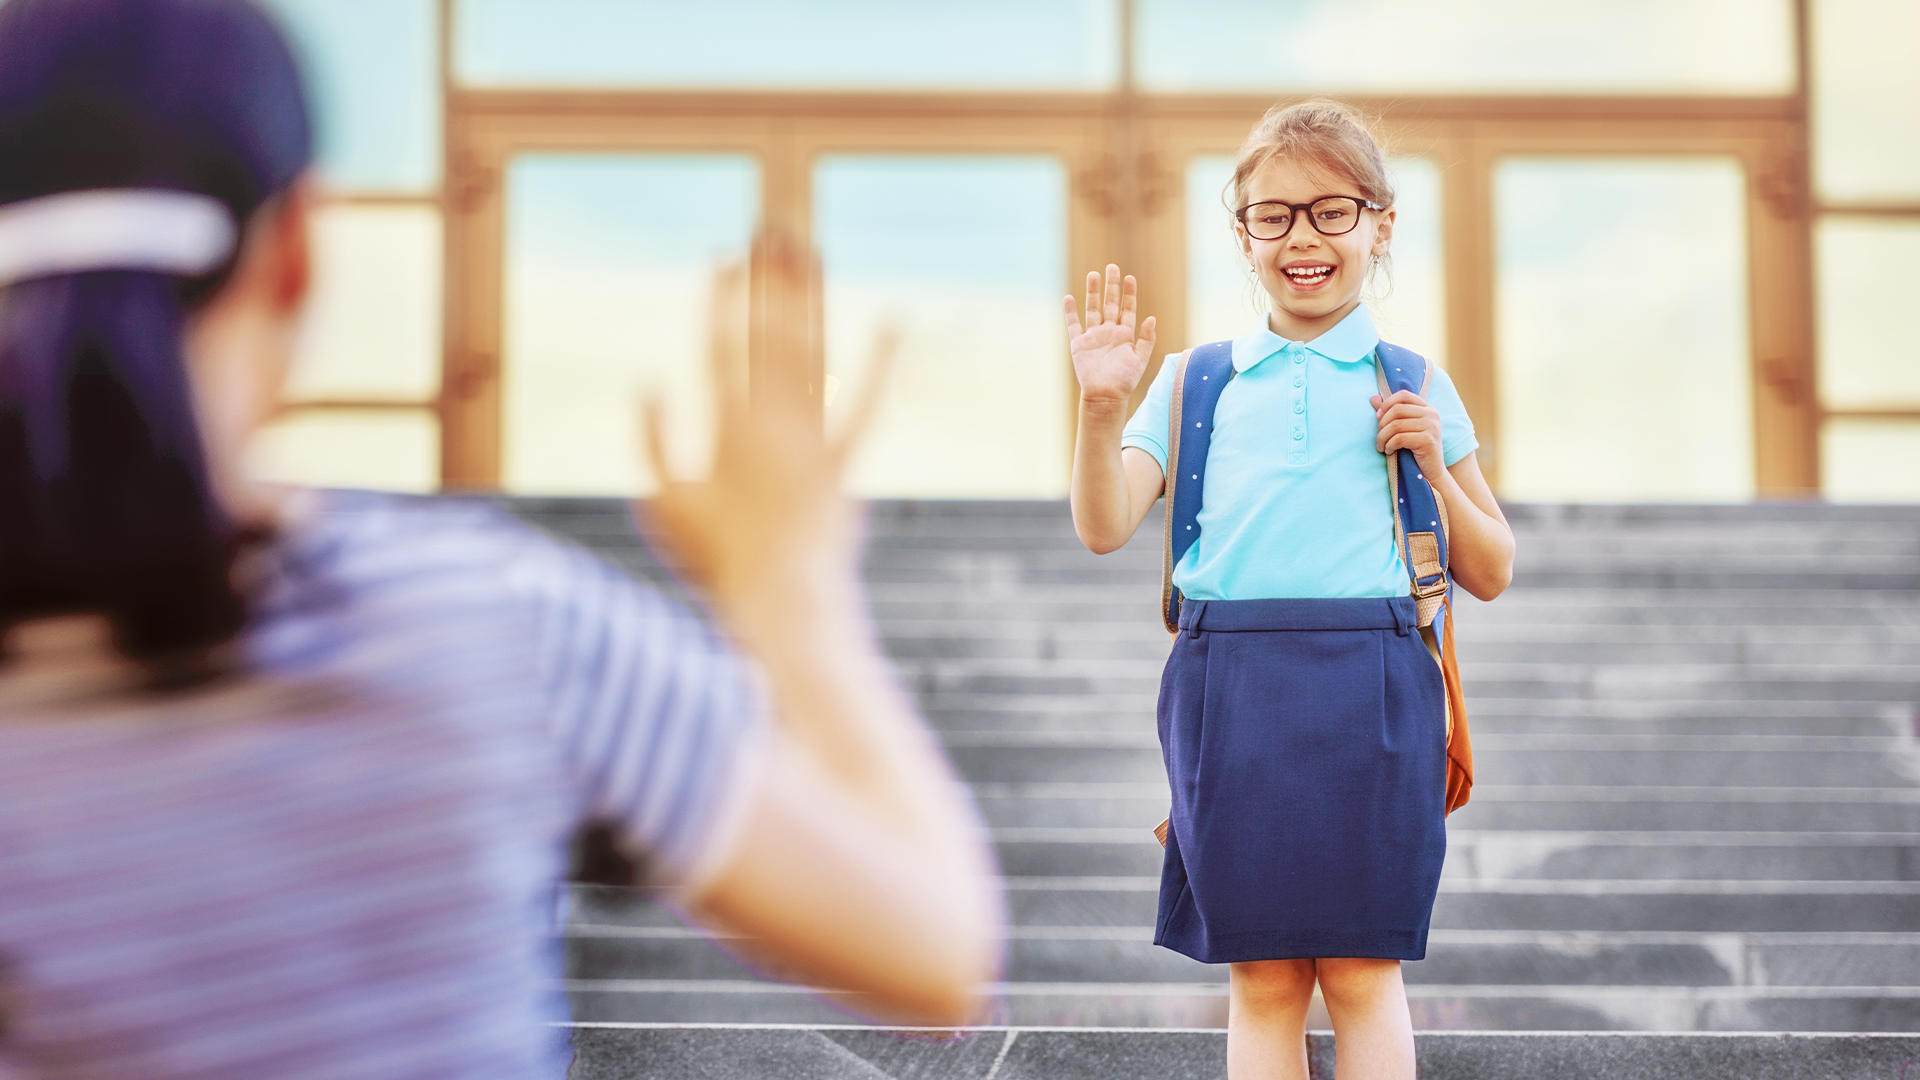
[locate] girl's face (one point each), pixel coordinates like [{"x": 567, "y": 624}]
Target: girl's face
[{"x": 1313, "y": 280}]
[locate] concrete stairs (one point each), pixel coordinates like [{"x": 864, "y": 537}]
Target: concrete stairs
[{"x": 1698, "y": 752}]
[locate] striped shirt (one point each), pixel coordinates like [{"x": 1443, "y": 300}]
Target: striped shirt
[{"x": 343, "y": 864}]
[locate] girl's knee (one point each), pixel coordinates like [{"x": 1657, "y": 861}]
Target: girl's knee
[
  {"x": 1356, "y": 977},
  {"x": 1274, "y": 984}
]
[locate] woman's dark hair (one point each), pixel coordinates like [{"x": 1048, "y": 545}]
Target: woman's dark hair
[{"x": 105, "y": 499}]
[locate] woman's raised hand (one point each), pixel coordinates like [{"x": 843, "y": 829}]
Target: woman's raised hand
[
  {"x": 1108, "y": 357},
  {"x": 771, "y": 516}
]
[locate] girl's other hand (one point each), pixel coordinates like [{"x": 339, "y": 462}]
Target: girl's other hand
[
  {"x": 1108, "y": 357},
  {"x": 1407, "y": 422}
]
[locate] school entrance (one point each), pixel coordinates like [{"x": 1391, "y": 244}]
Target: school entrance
[{"x": 1656, "y": 273}]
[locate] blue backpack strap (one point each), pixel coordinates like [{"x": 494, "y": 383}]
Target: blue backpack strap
[
  {"x": 1419, "y": 515},
  {"x": 1199, "y": 377}
]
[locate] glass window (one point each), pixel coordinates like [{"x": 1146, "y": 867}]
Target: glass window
[
  {"x": 1865, "y": 89},
  {"x": 968, "y": 256},
  {"x": 846, "y": 44},
  {"x": 384, "y": 449},
  {"x": 1870, "y": 461},
  {"x": 609, "y": 267},
  {"x": 1407, "y": 300},
  {"x": 373, "y": 320},
  {"x": 1473, "y": 46},
  {"x": 1621, "y": 309},
  {"x": 1869, "y": 274},
  {"x": 372, "y": 67}
]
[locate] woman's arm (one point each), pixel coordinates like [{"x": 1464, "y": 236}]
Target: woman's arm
[
  {"x": 860, "y": 865},
  {"x": 1112, "y": 489},
  {"x": 1479, "y": 541}
]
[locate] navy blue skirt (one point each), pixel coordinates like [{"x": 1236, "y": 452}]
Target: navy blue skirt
[{"x": 1306, "y": 745}]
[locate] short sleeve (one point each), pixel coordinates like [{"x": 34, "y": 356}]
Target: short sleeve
[
  {"x": 1456, "y": 427},
  {"x": 1147, "y": 428},
  {"x": 658, "y": 719}
]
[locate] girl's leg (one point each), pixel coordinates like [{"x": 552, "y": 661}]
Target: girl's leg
[
  {"x": 1267, "y": 1020},
  {"x": 1372, "y": 1029}
]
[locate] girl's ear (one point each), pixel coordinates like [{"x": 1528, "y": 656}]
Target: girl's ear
[
  {"x": 1246, "y": 241},
  {"x": 1383, "y": 232}
]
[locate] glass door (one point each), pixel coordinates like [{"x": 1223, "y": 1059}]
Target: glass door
[
  {"x": 966, "y": 255},
  {"x": 609, "y": 262}
]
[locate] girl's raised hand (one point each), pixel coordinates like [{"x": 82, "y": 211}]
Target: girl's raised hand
[
  {"x": 1407, "y": 422},
  {"x": 1108, "y": 357}
]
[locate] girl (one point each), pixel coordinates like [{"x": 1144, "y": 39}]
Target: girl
[
  {"x": 286, "y": 778},
  {"x": 1304, "y": 736}
]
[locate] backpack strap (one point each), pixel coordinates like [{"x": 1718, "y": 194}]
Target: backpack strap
[
  {"x": 1419, "y": 515},
  {"x": 1199, "y": 375}
]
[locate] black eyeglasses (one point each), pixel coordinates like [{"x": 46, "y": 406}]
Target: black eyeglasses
[{"x": 1332, "y": 216}]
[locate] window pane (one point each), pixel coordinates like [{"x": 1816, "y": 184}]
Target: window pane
[
  {"x": 1869, "y": 274},
  {"x": 1484, "y": 46},
  {"x": 385, "y": 449},
  {"x": 609, "y": 265},
  {"x": 1870, "y": 461},
  {"x": 1624, "y": 370},
  {"x": 373, "y": 321},
  {"x": 1030, "y": 44},
  {"x": 1408, "y": 302},
  {"x": 372, "y": 68},
  {"x": 968, "y": 256},
  {"x": 1866, "y": 86}
]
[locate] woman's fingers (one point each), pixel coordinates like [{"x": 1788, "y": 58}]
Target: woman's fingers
[
  {"x": 652, "y": 416},
  {"x": 727, "y": 337},
  {"x": 886, "y": 348}
]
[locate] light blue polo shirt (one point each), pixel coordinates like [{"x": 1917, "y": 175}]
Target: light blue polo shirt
[{"x": 1295, "y": 501}]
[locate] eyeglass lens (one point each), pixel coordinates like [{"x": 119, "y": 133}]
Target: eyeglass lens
[{"x": 1332, "y": 215}]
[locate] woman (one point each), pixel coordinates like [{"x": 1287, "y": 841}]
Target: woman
[{"x": 285, "y": 777}]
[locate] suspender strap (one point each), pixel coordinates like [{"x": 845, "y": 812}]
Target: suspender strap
[
  {"x": 1419, "y": 514},
  {"x": 1199, "y": 376}
]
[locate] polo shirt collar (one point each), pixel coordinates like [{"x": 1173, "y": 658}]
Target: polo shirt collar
[{"x": 1351, "y": 341}]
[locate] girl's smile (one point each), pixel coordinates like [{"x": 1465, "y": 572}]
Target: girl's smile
[{"x": 1312, "y": 280}]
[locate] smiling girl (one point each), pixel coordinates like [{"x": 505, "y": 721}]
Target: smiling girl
[{"x": 1304, "y": 723}]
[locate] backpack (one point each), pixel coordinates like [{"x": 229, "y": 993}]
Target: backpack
[{"x": 1419, "y": 519}]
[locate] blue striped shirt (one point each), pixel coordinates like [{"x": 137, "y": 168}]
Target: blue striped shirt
[{"x": 343, "y": 864}]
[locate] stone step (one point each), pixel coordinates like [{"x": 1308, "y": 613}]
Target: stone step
[
  {"x": 1733, "y": 647},
  {"x": 1884, "y": 907},
  {"x": 1134, "y": 713},
  {"x": 1502, "y": 806},
  {"x": 1126, "y": 954},
  {"x": 1497, "y": 855},
  {"x": 830, "y": 1051},
  {"x": 1595, "y": 763},
  {"x": 1669, "y": 682}
]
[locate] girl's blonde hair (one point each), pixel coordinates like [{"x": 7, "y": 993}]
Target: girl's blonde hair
[{"x": 1327, "y": 133}]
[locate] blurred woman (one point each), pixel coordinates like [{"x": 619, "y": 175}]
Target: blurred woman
[{"x": 286, "y": 776}]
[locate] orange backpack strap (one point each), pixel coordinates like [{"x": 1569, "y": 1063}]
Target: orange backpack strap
[{"x": 1420, "y": 533}]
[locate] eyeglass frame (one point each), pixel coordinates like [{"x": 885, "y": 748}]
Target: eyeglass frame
[{"x": 1295, "y": 210}]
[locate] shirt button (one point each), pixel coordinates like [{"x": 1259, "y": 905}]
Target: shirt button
[
  {"x": 1299, "y": 358},
  {"x": 1299, "y": 380},
  {"x": 1298, "y": 434},
  {"x": 1299, "y": 406}
]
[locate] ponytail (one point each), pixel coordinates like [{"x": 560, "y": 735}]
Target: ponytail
[
  {"x": 181, "y": 111},
  {"x": 103, "y": 483}
]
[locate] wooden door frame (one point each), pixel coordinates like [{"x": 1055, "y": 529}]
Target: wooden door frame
[{"x": 1125, "y": 155}]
